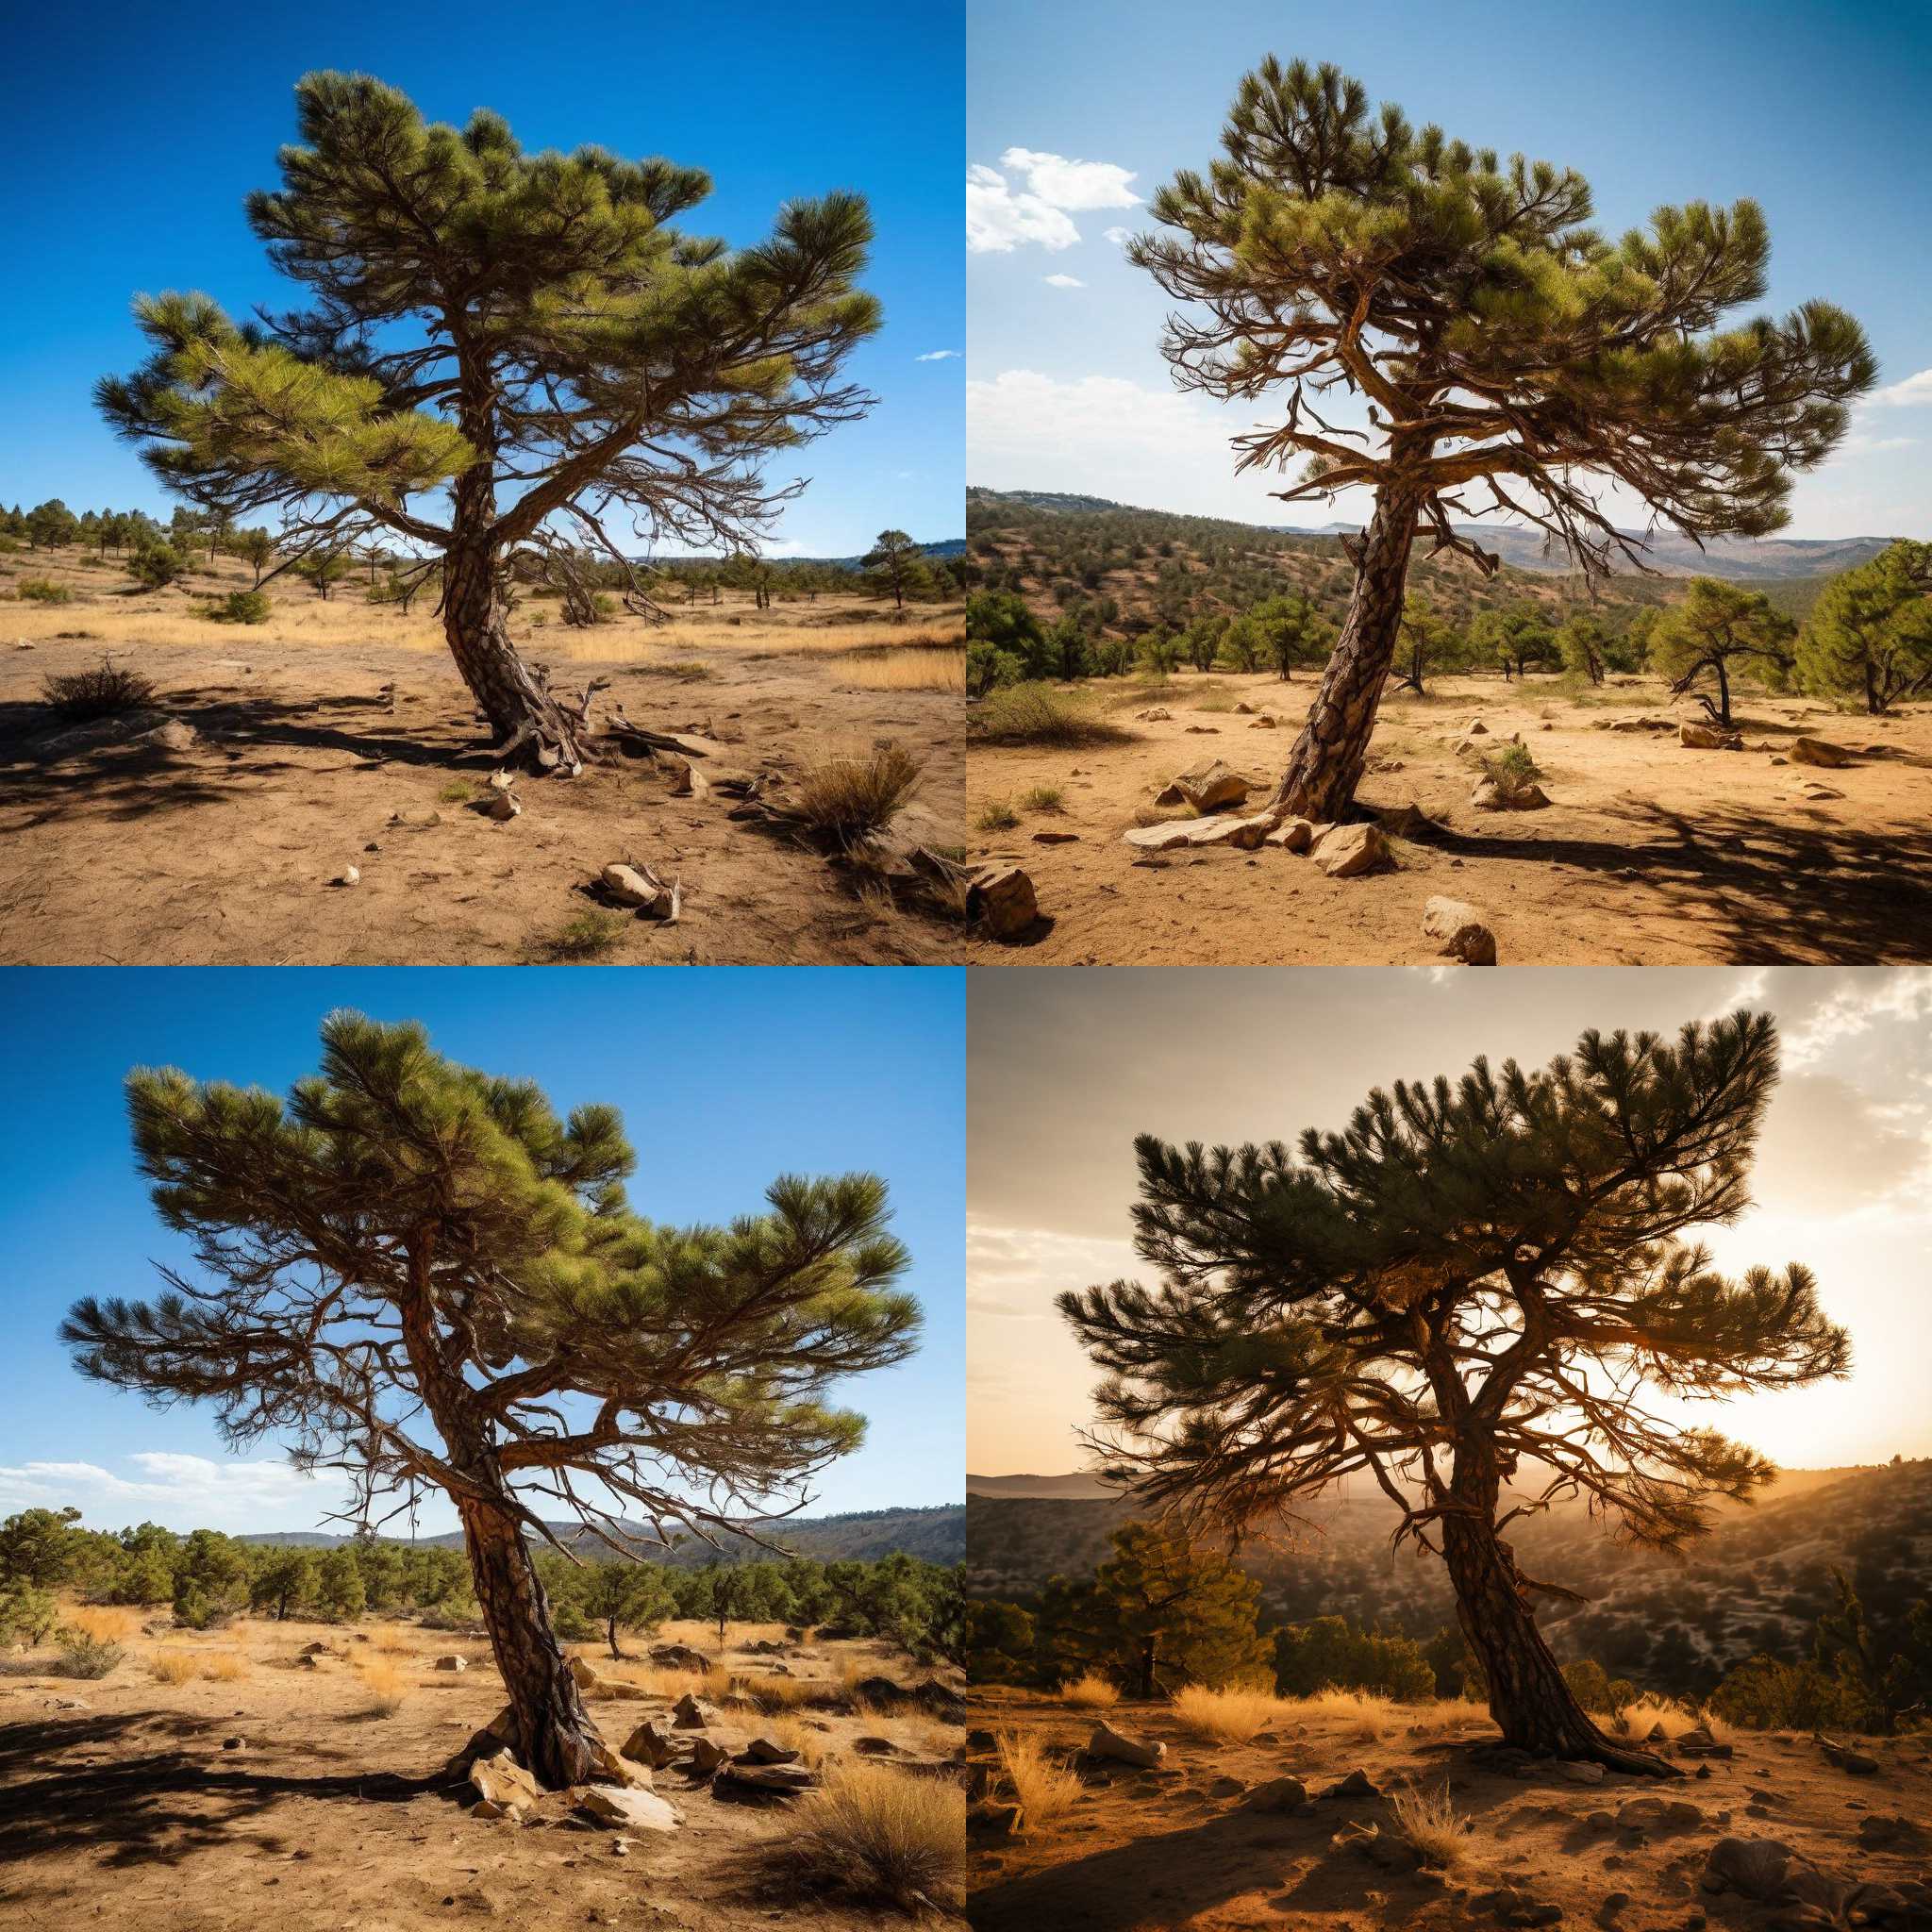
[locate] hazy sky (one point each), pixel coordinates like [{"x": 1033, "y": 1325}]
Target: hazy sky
[
  {"x": 1077, "y": 113},
  {"x": 727, "y": 1077},
  {"x": 133, "y": 180},
  {"x": 1066, "y": 1067}
]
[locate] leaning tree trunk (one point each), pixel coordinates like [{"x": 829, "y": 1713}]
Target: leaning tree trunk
[
  {"x": 1535, "y": 1708},
  {"x": 531, "y": 727},
  {"x": 1326, "y": 763},
  {"x": 555, "y": 1740}
]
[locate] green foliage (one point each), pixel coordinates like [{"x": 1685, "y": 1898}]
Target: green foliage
[
  {"x": 1162, "y": 1611},
  {"x": 285, "y": 1582},
  {"x": 585, "y": 936},
  {"x": 1005, "y": 644},
  {"x": 37, "y": 1547},
  {"x": 1770, "y": 1693},
  {"x": 1511, "y": 769},
  {"x": 895, "y": 568},
  {"x": 1597, "y": 1691},
  {"x": 240, "y": 607},
  {"x": 1701, "y": 642},
  {"x": 154, "y": 566},
  {"x": 339, "y": 1587},
  {"x": 1038, "y": 715},
  {"x": 82, "y": 1656},
  {"x": 620, "y": 1596},
  {"x": 1868, "y": 636},
  {"x": 1328, "y": 1655},
  {"x": 1000, "y": 1643},
  {"x": 1513, "y": 638},
  {"x": 44, "y": 590},
  {"x": 1427, "y": 643},
  {"x": 28, "y": 1614}
]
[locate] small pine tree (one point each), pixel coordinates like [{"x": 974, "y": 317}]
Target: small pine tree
[
  {"x": 1714, "y": 630},
  {"x": 1869, "y": 634},
  {"x": 338, "y": 1591},
  {"x": 895, "y": 568}
]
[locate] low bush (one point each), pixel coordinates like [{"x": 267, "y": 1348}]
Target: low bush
[
  {"x": 880, "y": 1835},
  {"x": 105, "y": 692},
  {"x": 1228, "y": 1717},
  {"x": 1430, "y": 1822},
  {"x": 240, "y": 607},
  {"x": 45, "y": 591},
  {"x": 173, "y": 1666},
  {"x": 1039, "y": 714},
  {"x": 849, "y": 798},
  {"x": 82, "y": 1656},
  {"x": 1091, "y": 1693}
]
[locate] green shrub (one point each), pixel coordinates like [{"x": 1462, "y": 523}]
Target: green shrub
[
  {"x": 240, "y": 607},
  {"x": 28, "y": 1614},
  {"x": 847, "y": 798},
  {"x": 45, "y": 591},
  {"x": 82, "y": 1656},
  {"x": 1767, "y": 1694},
  {"x": 1038, "y": 714},
  {"x": 1594, "y": 1688},
  {"x": 1327, "y": 1655},
  {"x": 585, "y": 937},
  {"x": 1511, "y": 769},
  {"x": 154, "y": 566},
  {"x": 996, "y": 817}
]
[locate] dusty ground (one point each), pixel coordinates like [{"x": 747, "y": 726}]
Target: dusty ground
[
  {"x": 132, "y": 852},
  {"x": 1649, "y": 854},
  {"x": 119, "y": 1806},
  {"x": 1182, "y": 1846}
]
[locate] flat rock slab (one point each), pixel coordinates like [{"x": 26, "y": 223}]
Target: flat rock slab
[{"x": 628, "y": 1810}]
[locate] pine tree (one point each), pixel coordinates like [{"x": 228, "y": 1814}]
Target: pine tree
[
  {"x": 1464, "y": 1294},
  {"x": 1164, "y": 1610},
  {"x": 895, "y": 568},
  {"x": 1432, "y": 643},
  {"x": 422, "y": 1277},
  {"x": 1513, "y": 638},
  {"x": 619, "y": 1594},
  {"x": 487, "y": 321},
  {"x": 287, "y": 1581},
  {"x": 1510, "y": 356},
  {"x": 1714, "y": 626},
  {"x": 1869, "y": 634}
]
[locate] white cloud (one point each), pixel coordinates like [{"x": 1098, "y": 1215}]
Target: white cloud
[
  {"x": 1870, "y": 445},
  {"x": 1063, "y": 282},
  {"x": 180, "y": 1490},
  {"x": 1868, "y": 999},
  {"x": 999, "y": 220},
  {"x": 937, "y": 356},
  {"x": 1118, "y": 237},
  {"x": 1061, "y": 183},
  {"x": 1914, "y": 391}
]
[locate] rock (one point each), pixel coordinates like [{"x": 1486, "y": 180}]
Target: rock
[
  {"x": 680, "y": 1656},
  {"x": 982, "y": 1740},
  {"x": 585, "y": 1675},
  {"x": 1405, "y": 822},
  {"x": 1291, "y": 835},
  {"x": 1356, "y": 1785},
  {"x": 1056, "y": 838},
  {"x": 639, "y": 886},
  {"x": 1227, "y": 1788},
  {"x": 1266, "y": 722},
  {"x": 1754, "y": 1867},
  {"x": 614, "y": 1767},
  {"x": 315, "y": 1650},
  {"x": 764, "y": 1780},
  {"x": 1244, "y": 709},
  {"x": 1206, "y": 731},
  {"x": 452, "y": 1662},
  {"x": 874, "y": 1747},
  {"x": 1346, "y": 852},
  {"x": 1634, "y": 725},
  {"x": 649, "y": 1745},
  {"x": 174, "y": 735},
  {"x": 1162, "y": 837},
  {"x": 1708, "y": 737},
  {"x": 634, "y": 1810},
  {"x": 1110, "y": 1744},
  {"x": 1878, "y": 1831},
  {"x": 706, "y": 1755},
  {"x": 1279, "y": 1795},
  {"x": 769, "y": 1751},
  {"x": 1489, "y": 796},
  {"x": 1461, "y": 927},
  {"x": 1820, "y": 751},
  {"x": 500, "y": 1781},
  {"x": 1698, "y": 1742},
  {"x": 1475, "y": 729},
  {"x": 1390, "y": 1850},
  {"x": 1660, "y": 1814},
  {"x": 1154, "y": 714},
  {"x": 1243, "y": 833},
  {"x": 501, "y": 805},
  {"x": 1209, "y": 786},
  {"x": 687, "y": 1714},
  {"x": 1002, "y": 895},
  {"x": 349, "y": 876},
  {"x": 1856, "y": 1762},
  {"x": 1580, "y": 1771},
  {"x": 1819, "y": 792}
]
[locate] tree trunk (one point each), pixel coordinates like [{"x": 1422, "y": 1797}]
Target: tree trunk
[
  {"x": 1325, "y": 764},
  {"x": 555, "y": 1740},
  {"x": 531, "y": 729},
  {"x": 1724, "y": 695},
  {"x": 1533, "y": 1705}
]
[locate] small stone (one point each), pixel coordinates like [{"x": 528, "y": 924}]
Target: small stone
[
  {"x": 1279, "y": 1795},
  {"x": 1461, "y": 927},
  {"x": 687, "y": 1714},
  {"x": 1003, "y": 897},
  {"x": 1291, "y": 835},
  {"x": 1356, "y": 1785},
  {"x": 1108, "y": 1743},
  {"x": 1162, "y": 837},
  {"x": 1347, "y": 851},
  {"x": 1209, "y": 786},
  {"x": 766, "y": 1780},
  {"x": 1708, "y": 737},
  {"x": 769, "y": 1751},
  {"x": 349, "y": 876},
  {"x": 452, "y": 1663},
  {"x": 1154, "y": 714}
]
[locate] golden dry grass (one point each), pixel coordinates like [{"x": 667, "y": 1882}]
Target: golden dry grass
[
  {"x": 876, "y": 1834},
  {"x": 1044, "y": 1789},
  {"x": 1364, "y": 1719},
  {"x": 779, "y": 1694},
  {"x": 1229, "y": 1717},
  {"x": 904, "y": 668},
  {"x": 1432, "y": 1824},
  {"x": 387, "y": 1684},
  {"x": 793, "y": 1734},
  {"x": 173, "y": 1666},
  {"x": 1091, "y": 1693},
  {"x": 103, "y": 1623},
  {"x": 846, "y": 797},
  {"x": 224, "y": 1666},
  {"x": 1642, "y": 1717}
]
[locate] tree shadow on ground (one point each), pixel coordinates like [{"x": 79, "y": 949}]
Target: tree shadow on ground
[
  {"x": 159, "y": 1807},
  {"x": 1810, "y": 890}
]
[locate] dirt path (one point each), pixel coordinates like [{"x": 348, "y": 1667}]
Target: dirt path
[{"x": 1649, "y": 854}]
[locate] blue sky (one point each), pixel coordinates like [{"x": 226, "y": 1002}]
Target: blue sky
[
  {"x": 131, "y": 132},
  {"x": 727, "y": 1077},
  {"x": 1815, "y": 110}
]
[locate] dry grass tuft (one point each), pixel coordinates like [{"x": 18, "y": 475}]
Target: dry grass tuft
[
  {"x": 849, "y": 798},
  {"x": 778, "y": 1693},
  {"x": 224, "y": 1666},
  {"x": 1432, "y": 1824},
  {"x": 173, "y": 1666},
  {"x": 104, "y": 1623},
  {"x": 1038, "y": 715},
  {"x": 876, "y": 1834},
  {"x": 1364, "y": 1719},
  {"x": 387, "y": 1686},
  {"x": 1044, "y": 1789},
  {"x": 1091, "y": 1693},
  {"x": 1640, "y": 1719},
  {"x": 790, "y": 1734},
  {"x": 105, "y": 692},
  {"x": 1229, "y": 1717},
  {"x": 908, "y": 667}
]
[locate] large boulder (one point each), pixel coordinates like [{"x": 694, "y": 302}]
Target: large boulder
[
  {"x": 1109, "y": 1743},
  {"x": 1460, "y": 928},
  {"x": 651, "y": 1744},
  {"x": 1208, "y": 785},
  {"x": 1346, "y": 852},
  {"x": 1820, "y": 751},
  {"x": 503, "y": 1785},
  {"x": 1243, "y": 833},
  {"x": 687, "y": 1714},
  {"x": 680, "y": 1656},
  {"x": 585, "y": 1675},
  {"x": 628, "y": 1810}
]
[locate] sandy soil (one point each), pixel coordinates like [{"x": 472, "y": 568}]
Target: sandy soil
[
  {"x": 122, "y": 1807},
  {"x": 1185, "y": 1847},
  {"x": 223, "y": 851},
  {"x": 1649, "y": 853}
]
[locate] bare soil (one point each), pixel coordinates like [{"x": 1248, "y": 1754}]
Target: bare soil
[
  {"x": 1184, "y": 1846},
  {"x": 122, "y": 1806},
  {"x": 117, "y": 847},
  {"x": 1648, "y": 854}
]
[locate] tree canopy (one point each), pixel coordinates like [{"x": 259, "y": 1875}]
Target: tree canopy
[{"x": 1869, "y": 634}]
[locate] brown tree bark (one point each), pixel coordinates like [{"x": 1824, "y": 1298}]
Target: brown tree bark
[
  {"x": 1327, "y": 761},
  {"x": 1534, "y": 1708},
  {"x": 555, "y": 1740}
]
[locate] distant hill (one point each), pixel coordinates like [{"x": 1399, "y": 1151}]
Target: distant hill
[
  {"x": 938, "y": 1535},
  {"x": 1759, "y": 1582},
  {"x": 1064, "y": 1488}
]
